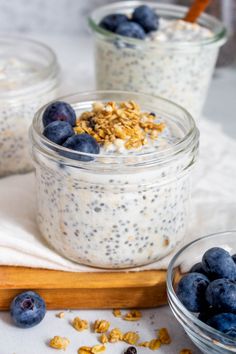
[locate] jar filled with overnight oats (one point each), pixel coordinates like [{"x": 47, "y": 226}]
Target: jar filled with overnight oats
[
  {"x": 28, "y": 79},
  {"x": 175, "y": 61},
  {"x": 128, "y": 205}
]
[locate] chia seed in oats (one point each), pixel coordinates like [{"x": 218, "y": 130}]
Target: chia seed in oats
[{"x": 123, "y": 209}]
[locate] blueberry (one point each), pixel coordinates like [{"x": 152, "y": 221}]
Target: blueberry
[
  {"x": 223, "y": 322},
  {"x": 146, "y": 17},
  {"x": 84, "y": 143},
  {"x": 59, "y": 111},
  {"x": 218, "y": 263},
  {"x": 131, "y": 350},
  {"x": 206, "y": 314},
  {"x": 58, "y": 131},
  {"x": 197, "y": 268},
  {"x": 130, "y": 29},
  {"x": 191, "y": 291},
  {"x": 27, "y": 309},
  {"x": 111, "y": 22},
  {"x": 234, "y": 258},
  {"x": 221, "y": 295}
]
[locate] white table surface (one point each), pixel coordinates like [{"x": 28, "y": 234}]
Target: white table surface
[{"x": 75, "y": 56}]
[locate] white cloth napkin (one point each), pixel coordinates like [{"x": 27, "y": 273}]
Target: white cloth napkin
[{"x": 213, "y": 207}]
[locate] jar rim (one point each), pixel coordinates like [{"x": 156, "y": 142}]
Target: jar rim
[
  {"x": 43, "y": 73},
  {"x": 219, "y": 38},
  {"x": 57, "y": 152}
]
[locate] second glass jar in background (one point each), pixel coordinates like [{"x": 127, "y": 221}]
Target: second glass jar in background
[
  {"x": 116, "y": 211},
  {"x": 180, "y": 71},
  {"x": 29, "y": 77}
]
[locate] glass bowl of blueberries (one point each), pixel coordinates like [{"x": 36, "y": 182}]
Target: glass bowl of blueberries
[{"x": 201, "y": 286}]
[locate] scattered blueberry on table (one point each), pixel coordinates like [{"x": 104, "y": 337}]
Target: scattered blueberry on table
[
  {"x": 27, "y": 309},
  {"x": 210, "y": 290},
  {"x": 142, "y": 21},
  {"x": 131, "y": 350}
]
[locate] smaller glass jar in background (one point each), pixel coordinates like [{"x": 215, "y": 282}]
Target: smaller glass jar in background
[
  {"x": 29, "y": 78},
  {"x": 119, "y": 210},
  {"x": 180, "y": 70}
]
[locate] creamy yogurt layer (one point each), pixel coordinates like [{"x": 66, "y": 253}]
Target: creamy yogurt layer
[
  {"x": 116, "y": 210},
  {"x": 179, "y": 31}
]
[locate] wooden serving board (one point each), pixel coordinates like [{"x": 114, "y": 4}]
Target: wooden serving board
[{"x": 68, "y": 290}]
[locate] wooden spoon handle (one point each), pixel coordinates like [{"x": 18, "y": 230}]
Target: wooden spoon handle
[{"x": 196, "y": 9}]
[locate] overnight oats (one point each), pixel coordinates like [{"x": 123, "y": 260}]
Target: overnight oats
[
  {"x": 149, "y": 47},
  {"x": 113, "y": 172},
  {"x": 28, "y": 80}
]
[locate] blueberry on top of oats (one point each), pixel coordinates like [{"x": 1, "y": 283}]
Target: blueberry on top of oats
[
  {"x": 131, "y": 29},
  {"x": 146, "y": 17},
  {"x": 83, "y": 143},
  {"x": 58, "y": 131},
  {"x": 59, "y": 110},
  {"x": 112, "y": 21}
]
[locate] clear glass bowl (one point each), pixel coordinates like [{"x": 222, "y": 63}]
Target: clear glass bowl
[
  {"x": 180, "y": 71},
  {"x": 119, "y": 210},
  {"x": 206, "y": 338}
]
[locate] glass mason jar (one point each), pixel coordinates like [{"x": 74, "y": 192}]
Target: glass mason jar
[
  {"x": 116, "y": 211},
  {"x": 179, "y": 71},
  {"x": 28, "y": 79}
]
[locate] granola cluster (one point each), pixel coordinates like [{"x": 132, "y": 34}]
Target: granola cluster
[
  {"x": 101, "y": 326},
  {"x": 92, "y": 350},
  {"x": 80, "y": 325},
  {"x": 58, "y": 342},
  {"x": 163, "y": 337},
  {"x": 123, "y": 123}
]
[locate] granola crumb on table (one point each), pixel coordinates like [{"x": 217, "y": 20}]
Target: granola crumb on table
[
  {"x": 117, "y": 312},
  {"x": 58, "y": 342},
  {"x": 80, "y": 325},
  {"x": 131, "y": 337},
  {"x": 164, "y": 336},
  {"x": 115, "y": 335},
  {"x": 154, "y": 344},
  {"x": 185, "y": 351},
  {"x": 133, "y": 315},
  {"x": 144, "y": 344},
  {"x": 92, "y": 350},
  {"x": 101, "y": 326},
  {"x": 60, "y": 315},
  {"x": 103, "y": 338}
]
